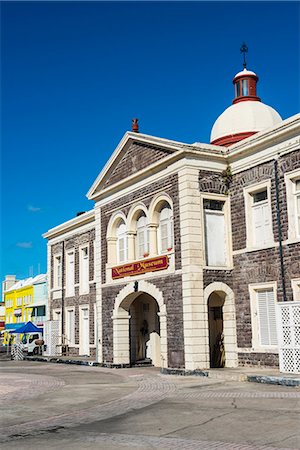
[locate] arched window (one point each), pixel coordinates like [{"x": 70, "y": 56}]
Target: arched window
[
  {"x": 121, "y": 242},
  {"x": 165, "y": 228},
  {"x": 142, "y": 237}
]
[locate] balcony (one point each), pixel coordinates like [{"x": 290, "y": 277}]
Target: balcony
[{"x": 38, "y": 319}]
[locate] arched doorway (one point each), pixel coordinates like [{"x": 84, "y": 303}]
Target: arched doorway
[
  {"x": 216, "y": 329},
  {"x": 144, "y": 330},
  {"x": 139, "y": 326},
  {"x": 219, "y": 300}
]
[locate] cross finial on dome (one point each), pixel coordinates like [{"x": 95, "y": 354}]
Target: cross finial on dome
[{"x": 244, "y": 50}]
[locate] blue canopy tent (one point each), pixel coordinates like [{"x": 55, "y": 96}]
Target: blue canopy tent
[{"x": 29, "y": 327}]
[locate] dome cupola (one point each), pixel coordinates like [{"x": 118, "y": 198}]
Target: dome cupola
[
  {"x": 247, "y": 115},
  {"x": 245, "y": 86}
]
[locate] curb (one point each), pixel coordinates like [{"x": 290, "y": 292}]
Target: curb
[
  {"x": 79, "y": 362},
  {"x": 265, "y": 379},
  {"x": 184, "y": 373},
  {"x": 274, "y": 380}
]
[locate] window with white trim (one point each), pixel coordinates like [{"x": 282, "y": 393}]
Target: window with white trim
[
  {"x": 296, "y": 289},
  {"x": 84, "y": 270},
  {"x": 70, "y": 273},
  {"x": 56, "y": 314},
  {"x": 57, "y": 271},
  {"x": 292, "y": 184},
  {"x": 215, "y": 233},
  {"x": 165, "y": 229},
  {"x": 259, "y": 215},
  {"x": 297, "y": 204},
  {"x": 142, "y": 237},
  {"x": 263, "y": 311},
  {"x": 70, "y": 326},
  {"x": 121, "y": 242},
  {"x": 261, "y": 218}
]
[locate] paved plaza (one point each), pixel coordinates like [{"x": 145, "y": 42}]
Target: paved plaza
[{"x": 64, "y": 406}]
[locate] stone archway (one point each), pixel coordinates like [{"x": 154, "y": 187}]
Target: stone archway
[
  {"x": 121, "y": 321},
  {"x": 224, "y": 293}
]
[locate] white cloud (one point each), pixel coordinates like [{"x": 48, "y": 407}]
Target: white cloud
[
  {"x": 24, "y": 244},
  {"x": 33, "y": 208}
]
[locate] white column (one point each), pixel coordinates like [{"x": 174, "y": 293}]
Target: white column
[
  {"x": 195, "y": 319},
  {"x": 229, "y": 330},
  {"x": 121, "y": 353},
  {"x": 111, "y": 250},
  {"x": 98, "y": 280},
  {"x": 152, "y": 229},
  {"x": 163, "y": 336},
  {"x": 131, "y": 245}
]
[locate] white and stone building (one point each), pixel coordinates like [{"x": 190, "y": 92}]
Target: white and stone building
[{"x": 188, "y": 246}]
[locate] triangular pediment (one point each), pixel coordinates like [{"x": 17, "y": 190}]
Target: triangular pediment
[{"x": 134, "y": 154}]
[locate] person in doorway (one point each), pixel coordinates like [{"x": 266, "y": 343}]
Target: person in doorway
[{"x": 143, "y": 338}]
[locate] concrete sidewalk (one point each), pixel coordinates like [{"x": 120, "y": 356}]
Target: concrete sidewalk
[{"x": 250, "y": 374}]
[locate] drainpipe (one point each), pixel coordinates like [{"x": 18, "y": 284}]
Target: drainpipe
[{"x": 279, "y": 229}]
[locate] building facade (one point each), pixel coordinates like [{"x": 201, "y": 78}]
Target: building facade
[
  {"x": 72, "y": 288},
  {"x": 39, "y": 306},
  {"x": 188, "y": 247},
  {"x": 23, "y": 299}
]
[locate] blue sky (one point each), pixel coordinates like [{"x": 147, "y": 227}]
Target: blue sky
[{"x": 75, "y": 73}]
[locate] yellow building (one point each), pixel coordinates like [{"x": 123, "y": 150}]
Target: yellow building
[
  {"x": 17, "y": 300},
  {"x": 2, "y": 316}
]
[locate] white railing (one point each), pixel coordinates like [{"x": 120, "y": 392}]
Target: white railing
[
  {"x": 288, "y": 323},
  {"x": 38, "y": 319}
]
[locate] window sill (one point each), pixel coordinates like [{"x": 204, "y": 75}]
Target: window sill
[
  {"x": 265, "y": 350},
  {"x": 294, "y": 240},
  {"x": 255, "y": 249},
  {"x": 218, "y": 267},
  {"x": 84, "y": 293}
]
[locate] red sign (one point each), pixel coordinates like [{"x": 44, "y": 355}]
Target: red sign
[{"x": 139, "y": 267}]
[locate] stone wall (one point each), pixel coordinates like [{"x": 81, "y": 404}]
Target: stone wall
[
  {"x": 74, "y": 242},
  {"x": 136, "y": 158}
]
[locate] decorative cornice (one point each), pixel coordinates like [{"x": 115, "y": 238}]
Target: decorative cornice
[{"x": 76, "y": 222}]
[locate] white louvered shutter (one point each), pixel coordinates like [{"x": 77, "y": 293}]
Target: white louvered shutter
[
  {"x": 142, "y": 237},
  {"x": 267, "y": 318},
  {"x": 298, "y": 204},
  {"x": 122, "y": 242},
  {"x": 166, "y": 229}
]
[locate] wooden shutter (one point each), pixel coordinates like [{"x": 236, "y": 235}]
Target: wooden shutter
[
  {"x": 258, "y": 232},
  {"x": 70, "y": 273},
  {"x": 261, "y": 224},
  {"x": 140, "y": 243},
  {"x": 298, "y": 210},
  {"x": 267, "y": 317},
  {"x": 215, "y": 238},
  {"x": 85, "y": 269},
  {"x": 164, "y": 236},
  {"x": 122, "y": 242}
]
